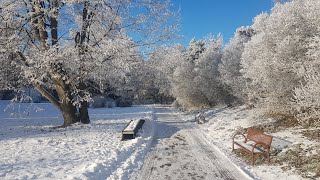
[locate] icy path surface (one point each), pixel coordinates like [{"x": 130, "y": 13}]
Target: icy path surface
[{"x": 181, "y": 152}]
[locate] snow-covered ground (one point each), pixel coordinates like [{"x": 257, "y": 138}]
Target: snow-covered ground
[
  {"x": 32, "y": 149},
  {"x": 224, "y": 122},
  {"x": 180, "y": 151}
]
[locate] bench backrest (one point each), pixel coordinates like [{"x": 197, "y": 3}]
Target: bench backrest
[{"x": 258, "y": 136}]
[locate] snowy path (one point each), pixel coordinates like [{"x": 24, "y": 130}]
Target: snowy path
[{"x": 181, "y": 152}]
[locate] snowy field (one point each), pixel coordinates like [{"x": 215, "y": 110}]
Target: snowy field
[{"x": 32, "y": 149}]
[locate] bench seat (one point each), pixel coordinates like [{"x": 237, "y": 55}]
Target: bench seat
[
  {"x": 130, "y": 131},
  {"x": 247, "y": 146}
]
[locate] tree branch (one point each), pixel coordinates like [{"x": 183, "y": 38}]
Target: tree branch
[{"x": 41, "y": 90}]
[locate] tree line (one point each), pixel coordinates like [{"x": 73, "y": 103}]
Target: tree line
[{"x": 272, "y": 65}]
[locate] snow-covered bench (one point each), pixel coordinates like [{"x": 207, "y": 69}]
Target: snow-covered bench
[
  {"x": 255, "y": 142},
  {"x": 130, "y": 131},
  {"x": 200, "y": 118}
]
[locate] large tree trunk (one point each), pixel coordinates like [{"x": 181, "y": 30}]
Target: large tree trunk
[
  {"x": 69, "y": 113},
  {"x": 68, "y": 110}
]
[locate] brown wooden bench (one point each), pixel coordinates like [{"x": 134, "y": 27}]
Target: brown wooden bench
[{"x": 255, "y": 142}]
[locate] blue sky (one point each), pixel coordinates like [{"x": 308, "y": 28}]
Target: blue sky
[{"x": 202, "y": 17}]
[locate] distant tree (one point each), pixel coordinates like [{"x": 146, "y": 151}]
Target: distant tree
[
  {"x": 281, "y": 1},
  {"x": 183, "y": 87},
  {"x": 164, "y": 62},
  {"x": 197, "y": 81},
  {"x": 208, "y": 82},
  {"x": 148, "y": 91}
]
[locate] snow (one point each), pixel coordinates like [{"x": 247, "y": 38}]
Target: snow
[
  {"x": 170, "y": 144},
  {"x": 32, "y": 149},
  {"x": 224, "y": 122},
  {"x": 132, "y": 125},
  {"x": 180, "y": 151}
]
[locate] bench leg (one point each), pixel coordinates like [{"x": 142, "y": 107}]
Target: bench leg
[{"x": 253, "y": 159}]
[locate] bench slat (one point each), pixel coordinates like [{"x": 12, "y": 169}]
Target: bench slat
[
  {"x": 257, "y": 136},
  {"x": 247, "y": 146}
]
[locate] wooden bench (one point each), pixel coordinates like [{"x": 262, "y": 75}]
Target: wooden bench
[
  {"x": 130, "y": 131},
  {"x": 255, "y": 142}
]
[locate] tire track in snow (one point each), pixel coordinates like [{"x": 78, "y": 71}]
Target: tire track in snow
[
  {"x": 215, "y": 161},
  {"x": 203, "y": 162}
]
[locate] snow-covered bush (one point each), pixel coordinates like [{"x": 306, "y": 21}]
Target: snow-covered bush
[
  {"x": 274, "y": 61},
  {"x": 307, "y": 97}
]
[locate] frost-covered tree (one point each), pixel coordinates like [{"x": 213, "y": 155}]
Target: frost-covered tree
[
  {"x": 148, "y": 91},
  {"x": 230, "y": 63},
  {"x": 164, "y": 61},
  {"x": 9, "y": 74},
  {"x": 183, "y": 87},
  {"x": 207, "y": 81},
  {"x": 67, "y": 45},
  {"x": 197, "y": 81},
  {"x": 275, "y": 56}
]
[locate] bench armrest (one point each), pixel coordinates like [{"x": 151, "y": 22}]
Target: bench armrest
[
  {"x": 245, "y": 138},
  {"x": 265, "y": 146}
]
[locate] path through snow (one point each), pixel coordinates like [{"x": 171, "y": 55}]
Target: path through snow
[{"x": 181, "y": 152}]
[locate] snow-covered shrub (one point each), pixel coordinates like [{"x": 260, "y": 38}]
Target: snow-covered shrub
[
  {"x": 307, "y": 100},
  {"x": 274, "y": 60},
  {"x": 307, "y": 97},
  {"x": 110, "y": 103}
]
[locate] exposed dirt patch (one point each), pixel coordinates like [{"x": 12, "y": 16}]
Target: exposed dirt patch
[
  {"x": 259, "y": 159},
  {"x": 307, "y": 165},
  {"x": 312, "y": 134},
  {"x": 181, "y": 138},
  {"x": 282, "y": 122},
  {"x": 167, "y": 164}
]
